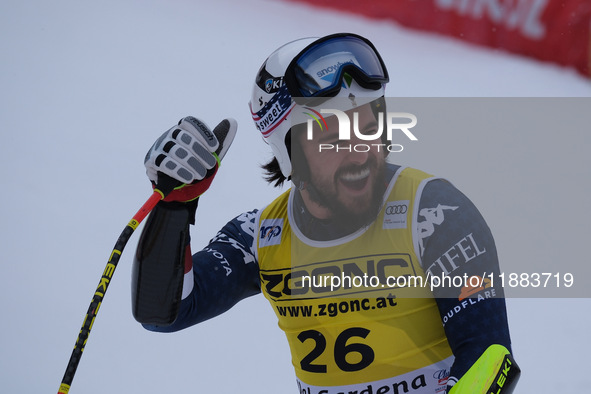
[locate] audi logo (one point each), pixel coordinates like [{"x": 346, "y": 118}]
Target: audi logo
[{"x": 396, "y": 209}]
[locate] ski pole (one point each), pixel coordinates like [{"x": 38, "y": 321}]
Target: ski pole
[{"x": 163, "y": 188}]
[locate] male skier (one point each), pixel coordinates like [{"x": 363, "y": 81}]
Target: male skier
[{"x": 349, "y": 216}]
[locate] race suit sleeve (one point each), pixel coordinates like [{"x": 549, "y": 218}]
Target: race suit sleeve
[
  {"x": 215, "y": 278},
  {"x": 455, "y": 241},
  {"x": 223, "y": 273}
]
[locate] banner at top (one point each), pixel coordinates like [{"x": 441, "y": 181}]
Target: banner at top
[{"x": 558, "y": 31}]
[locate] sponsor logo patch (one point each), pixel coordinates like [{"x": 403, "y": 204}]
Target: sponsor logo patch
[
  {"x": 395, "y": 214},
  {"x": 270, "y": 232}
]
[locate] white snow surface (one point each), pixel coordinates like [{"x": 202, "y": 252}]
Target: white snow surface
[{"x": 86, "y": 87}]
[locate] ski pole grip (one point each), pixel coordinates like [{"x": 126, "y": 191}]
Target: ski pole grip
[{"x": 166, "y": 184}]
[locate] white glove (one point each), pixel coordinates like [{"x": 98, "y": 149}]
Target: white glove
[{"x": 189, "y": 153}]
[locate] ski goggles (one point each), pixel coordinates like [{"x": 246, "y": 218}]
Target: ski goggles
[{"x": 323, "y": 67}]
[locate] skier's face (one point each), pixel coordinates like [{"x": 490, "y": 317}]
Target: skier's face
[{"x": 348, "y": 178}]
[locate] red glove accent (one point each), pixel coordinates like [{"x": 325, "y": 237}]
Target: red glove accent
[{"x": 191, "y": 191}]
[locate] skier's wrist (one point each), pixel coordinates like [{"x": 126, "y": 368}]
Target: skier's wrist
[{"x": 189, "y": 206}]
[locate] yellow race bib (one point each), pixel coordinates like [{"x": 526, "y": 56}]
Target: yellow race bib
[{"x": 350, "y": 327}]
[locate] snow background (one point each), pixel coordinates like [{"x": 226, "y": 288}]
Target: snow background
[{"x": 85, "y": 88}]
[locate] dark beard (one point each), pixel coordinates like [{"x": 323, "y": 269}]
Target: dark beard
[{"x": 341, "y": 216}]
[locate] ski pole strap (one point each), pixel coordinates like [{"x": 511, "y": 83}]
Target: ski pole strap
[{"x": 495, "y": 372}]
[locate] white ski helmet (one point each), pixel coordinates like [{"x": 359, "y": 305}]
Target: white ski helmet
[{"x": 307, "y": 72}]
